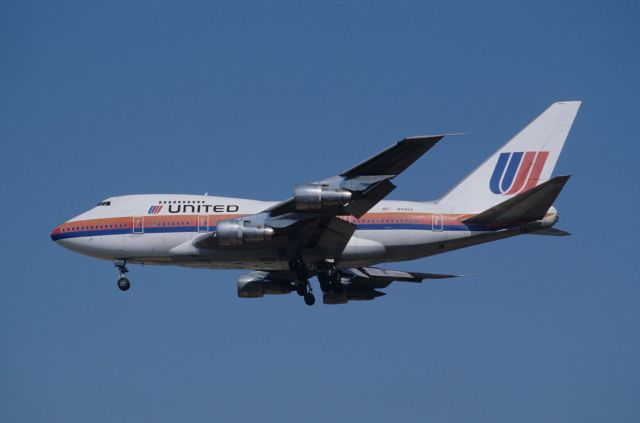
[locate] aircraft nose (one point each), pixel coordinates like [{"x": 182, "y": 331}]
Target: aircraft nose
[{"x": 55, "y": 233}]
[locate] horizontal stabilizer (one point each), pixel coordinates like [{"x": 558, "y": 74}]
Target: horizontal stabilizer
[
  {"x": 550, "y": 232},
  {"x": 528, "y": 206}
]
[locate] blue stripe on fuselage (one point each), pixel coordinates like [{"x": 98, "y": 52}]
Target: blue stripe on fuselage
[{"x": 363, "y": 227}]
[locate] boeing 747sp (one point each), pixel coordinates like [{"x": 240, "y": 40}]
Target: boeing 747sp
[{"x": 337, "y": 228}]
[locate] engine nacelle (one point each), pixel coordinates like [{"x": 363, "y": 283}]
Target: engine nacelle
[
  {"x": 234, "y": 232},
  {"x": 258, "y": 284},
  {"x": 316, "y": 196},
  {"x": 351, "y": 293}
]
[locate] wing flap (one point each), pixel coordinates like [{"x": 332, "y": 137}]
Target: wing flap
[{"x": 334, "y": 238}]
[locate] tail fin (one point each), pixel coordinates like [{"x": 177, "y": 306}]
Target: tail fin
[{"x": 526, "y": 161}]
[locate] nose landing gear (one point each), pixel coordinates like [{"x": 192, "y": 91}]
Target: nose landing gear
[{"x": 123, "y": 282}]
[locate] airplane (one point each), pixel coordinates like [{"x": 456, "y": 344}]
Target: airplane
[{"x": 336, "y": 229}]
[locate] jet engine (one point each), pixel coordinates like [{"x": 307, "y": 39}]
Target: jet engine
[
  {"x": 316, "y": 196},
  {"x": 351, "y": 293},
  {"x": 235, "y": 232},
  {"x": 258, "y": 284}
]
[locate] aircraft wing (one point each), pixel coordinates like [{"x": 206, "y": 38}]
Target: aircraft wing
[
  {"x": 317, "y": 205},
  {"x": 368, "y": 182},
  {"x": 373, "y": 277},
  {"x": 308, "y": 222},
  {"x": 358, "y": 284}
]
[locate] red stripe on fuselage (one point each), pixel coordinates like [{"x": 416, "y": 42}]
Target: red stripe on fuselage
[{"x": 154, "y": 221}]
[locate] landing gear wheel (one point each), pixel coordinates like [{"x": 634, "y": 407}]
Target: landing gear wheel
[
  {"x": 124, "y": 284},
  {"x": 309, "y": 299},
  {"x": 301, "y": 289}
]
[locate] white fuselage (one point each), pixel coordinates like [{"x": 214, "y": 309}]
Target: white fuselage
[{"x": 161, "y": 229}]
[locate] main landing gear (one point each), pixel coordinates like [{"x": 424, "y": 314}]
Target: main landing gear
[
  {"x": 303, "y": 288},
  {"x": 330, "y": 280},
  {"x": 123, "y": 282}
]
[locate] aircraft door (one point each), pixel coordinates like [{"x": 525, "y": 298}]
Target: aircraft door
[
  {"x": 138, "y": 225},
  {"x": 203, "y": 223},
  {"x": 436, "y": 223}
]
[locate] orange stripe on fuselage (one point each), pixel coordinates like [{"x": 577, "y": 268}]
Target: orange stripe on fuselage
[{"x": 151, "y": 221}]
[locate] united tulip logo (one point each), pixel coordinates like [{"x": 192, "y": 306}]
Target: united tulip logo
[
  {"x": 517, "y": 172},
  {"x": 154, "y": 209}
]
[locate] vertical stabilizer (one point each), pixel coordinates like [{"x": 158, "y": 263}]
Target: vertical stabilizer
[{"x": 524, "y": 162}]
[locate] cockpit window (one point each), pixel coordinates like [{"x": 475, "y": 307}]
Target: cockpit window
[{"x": 104, "y": 203}]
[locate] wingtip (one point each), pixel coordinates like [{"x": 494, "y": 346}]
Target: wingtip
[
  {"x": 424, "y": 276},
  {"x": 569, "y": 102},
  {"x": 570, "y": 106},
  {"x": 563, "y": 178},
  {"x": 418, "y": 138},
  {"x": 431, "y": 138}
]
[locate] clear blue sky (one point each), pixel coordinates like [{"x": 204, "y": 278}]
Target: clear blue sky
[{"x": 249, "y": 98}]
